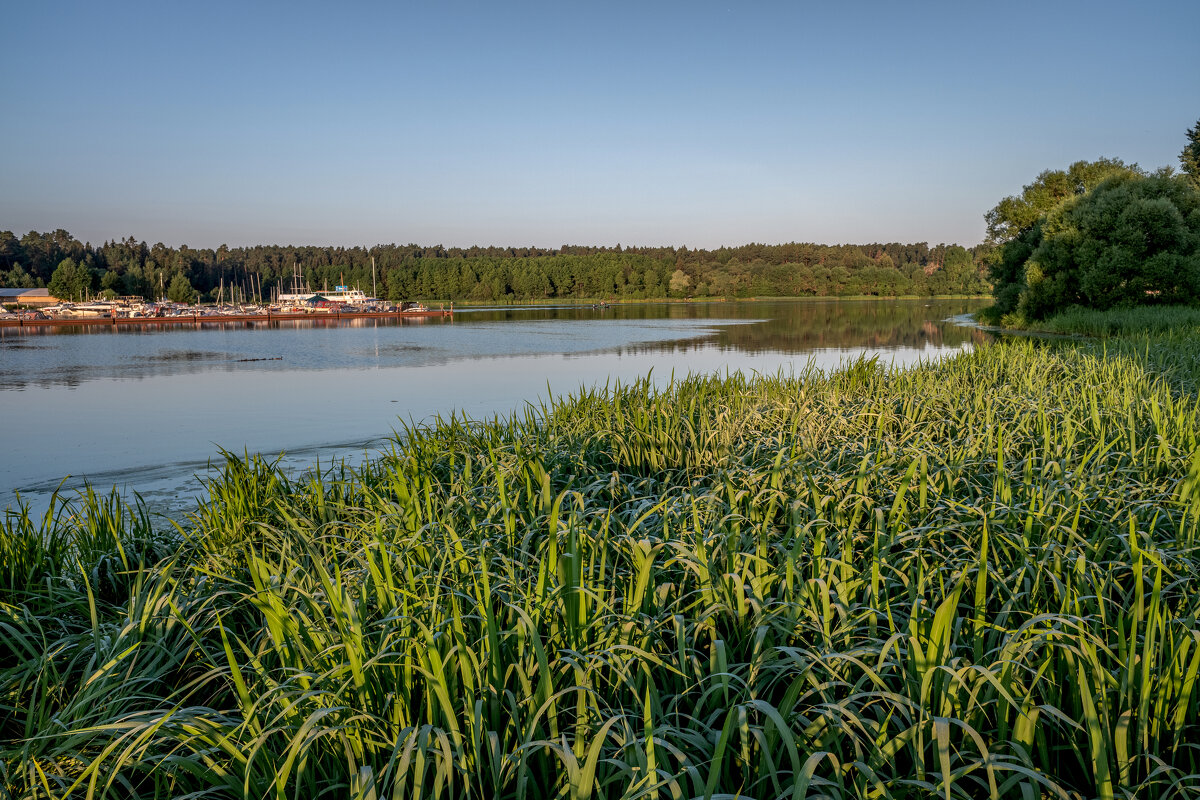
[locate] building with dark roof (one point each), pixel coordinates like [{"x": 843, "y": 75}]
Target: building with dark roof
[{"x": 26, "y": 297}]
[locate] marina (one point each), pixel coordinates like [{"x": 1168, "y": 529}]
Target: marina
[{"x": 111, "y": 313}]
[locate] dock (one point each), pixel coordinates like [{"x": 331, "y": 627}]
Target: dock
[{"x": 220, "y": 319}]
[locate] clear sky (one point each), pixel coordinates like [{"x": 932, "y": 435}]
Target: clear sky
[{"x": 519, "y": 123}]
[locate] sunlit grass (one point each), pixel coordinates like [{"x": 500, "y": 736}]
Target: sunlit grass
[
  {"x": 1178, "y": 320},
  {"x": 973, "y": 578}
]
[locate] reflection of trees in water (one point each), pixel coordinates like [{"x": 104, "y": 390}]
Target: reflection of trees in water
[
  {"x": 802, "y": 327},
  {"x": 623, "y": 311},
  {"x": 765, "y": 327}
]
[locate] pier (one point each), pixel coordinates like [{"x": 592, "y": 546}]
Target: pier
[{"x": 201, "y": 319}]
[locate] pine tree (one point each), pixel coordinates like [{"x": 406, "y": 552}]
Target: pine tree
[{"x": 1190, "y": 157}]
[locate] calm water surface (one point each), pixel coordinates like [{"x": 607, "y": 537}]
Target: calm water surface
[{"x": 146, "y": 409}]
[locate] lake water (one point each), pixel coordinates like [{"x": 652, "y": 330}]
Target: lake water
[{"x": 146, "y": 409}]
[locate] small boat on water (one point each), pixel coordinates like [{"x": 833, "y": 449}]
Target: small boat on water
[
  {"x": 300, "y": 294},
  {"x": 99, "y": 308},
  {"x": 339, "y": 294},
  {"x": 116, "y": 307}
]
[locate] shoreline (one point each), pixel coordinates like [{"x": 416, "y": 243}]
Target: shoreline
[{"x": 203, "y": 319}]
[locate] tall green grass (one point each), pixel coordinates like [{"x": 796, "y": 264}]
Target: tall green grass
[
  {"x": 1177, "y": 320},
  {"x": 970, "y": 579}
]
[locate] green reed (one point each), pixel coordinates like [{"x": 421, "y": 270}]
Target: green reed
[
  {"x": 969, "y": 579},
  {"x": 1125, "y": 321}
]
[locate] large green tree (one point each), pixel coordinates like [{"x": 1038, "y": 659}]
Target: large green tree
[
  {"x": 1190, "y": 157},
  {"x": 180, "y": 289},
  {"x": 1133, "y": 240},
  {"x": 680, "y": 281},
  {"x": 1014, "y": 226},
  {"x": 1018, "y": 213},
  {"x": 70, "y": 281}
]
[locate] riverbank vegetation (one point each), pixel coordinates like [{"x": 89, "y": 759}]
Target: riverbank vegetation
[
  {"x": 1099, "y": 235},
  {"x": 1134, "y": 321},
  {"x": 1101, "y": 248},
  {"x": 972, "y": 578},
  {"x": 491, "y": 274}
]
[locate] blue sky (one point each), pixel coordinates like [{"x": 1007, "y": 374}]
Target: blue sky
[{"x": 646, "y": 123}]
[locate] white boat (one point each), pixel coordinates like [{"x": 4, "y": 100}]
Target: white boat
[
  {"x": 123, "y": 306},
  {"x": 80, "y": 310},
  {"x": 300, "y": 293},
  {"x": 339, "y": 294},
  {"x": 96, "y": 308}
]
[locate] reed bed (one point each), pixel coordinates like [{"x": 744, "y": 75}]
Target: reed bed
[
  {"x": 975, "y": 578},
  {"x": 1178, "y": 320}
]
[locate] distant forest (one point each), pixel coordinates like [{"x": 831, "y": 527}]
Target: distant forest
[{"x": 491, "y": 274}]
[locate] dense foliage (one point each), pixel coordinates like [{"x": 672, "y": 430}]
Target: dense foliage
[
  {"x": 970, "y": 579},
  {"x": 1131, "y": 241},
  {"x": 70, "y": 281},
  {"x": 1014, "y": 226},
  {"x": 492, "y": 274},
  {"x": 1189, "y": 157},
  {"x": 1099, "y": 235}
]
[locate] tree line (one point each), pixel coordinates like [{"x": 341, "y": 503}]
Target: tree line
[{"x": 489, "y": 274}]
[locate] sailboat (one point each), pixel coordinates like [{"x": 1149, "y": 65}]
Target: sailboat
[{"x": 300, "y": 292}]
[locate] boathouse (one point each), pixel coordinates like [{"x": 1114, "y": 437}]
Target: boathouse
[{"x": 26, "y": 297}]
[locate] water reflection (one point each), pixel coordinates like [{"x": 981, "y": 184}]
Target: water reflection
[
  {"x": 145, "y": 409},
  {"x": 68, "y": 357},
  {"x": 807, "y": 326}
]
